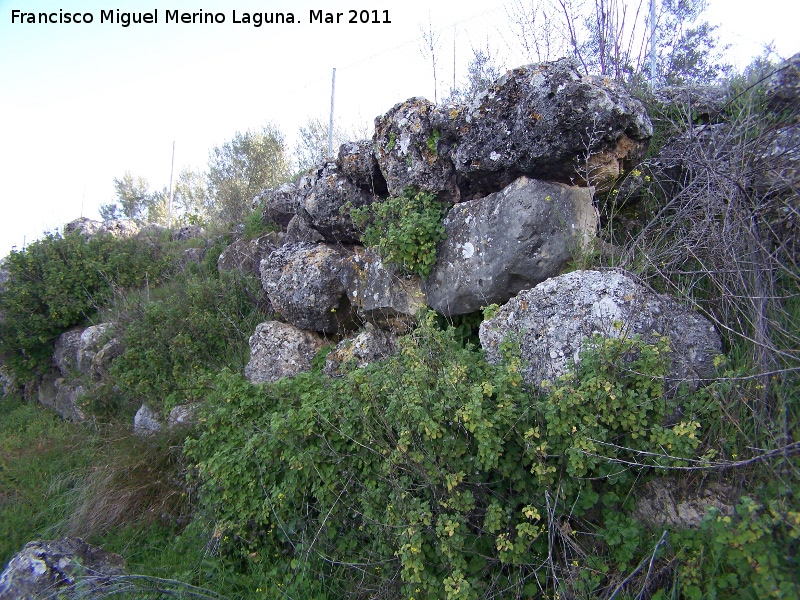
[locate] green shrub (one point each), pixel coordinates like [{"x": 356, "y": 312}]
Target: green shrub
[
  {"x": 173, "y": 344},
  {"x": 59, "y": 282},
  {"x": 404, "y": 229},
  {"x": 435, "y": 474}
]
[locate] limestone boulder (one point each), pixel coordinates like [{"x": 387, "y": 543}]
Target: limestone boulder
[
  {"x": 280, "y": 350},
  {"x": 356, "y": 160},
  {"x": 101, "y": 361},
  {"x": 278, "y": 205},
  {"x": 66, "y": 568},
  {"x": 322, "y": 194},
  {"x": 92, "y": 340},
  {"x": 783, "y": 86},
  {"x": 664, "y": 503},
  {"x": 696, "y": 103},
  {"x": 184, "y": 415},
  {"x": 300, "y": 230},
  {"x": 119, "y": 228},
  {"x": 246, "y": 255},
  {"x": 543, "y": 121},
  {"x": 413, "y": 148},
  {"x": 65, "y": 398},
  {"x": 83, "y": 226},
  {"x": 147, "y": 421},
  {"x": 65, "y": 354},
  {"x": 381, "y": 294},
  {"x": 188, "y": 232},
  {"x": 369, "y": 346},
  {"x": 305, "y": 284},
  {"x": 553, "y": 321},
  {"x": 506, "y": 242}
]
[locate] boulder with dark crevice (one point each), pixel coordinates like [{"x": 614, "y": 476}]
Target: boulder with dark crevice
[
  {"x": 280, "y": 350},
  {"x": 356, "y": 160}
]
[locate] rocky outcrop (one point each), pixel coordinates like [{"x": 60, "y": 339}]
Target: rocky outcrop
[
  {"x": 146, "y": 421},
  {"x": 783, "y": 86},
  {"x": 65, "y": 568},
  {"x": 695, "y": 103},
  {"x": 367, "y": 347},
  {"x": 306, "y": 285},
  {"x": 411, "y": 150},
  {"x": 552, "y": 322},
  {"x": 662, "y": 503},
  {"x": 280, "y": 350},
  {"x": 381, "y": 294},
  {"x": 93, "y": 338},
  {"x": 507, "y": 242},
  {"x": 543, "y": 121},
  {"x": 278, "y": 205},
  {"x": 63, "y": 396},
  {"x": 322, "y": 194},
  {"x": 357, "y": 162},
  {"x": 188, "y": 232},
  {"x": 101, "y": 362},
  {"x": 299, "y": 230},
  {"x": 246, "y": 255},
  {"x": 65, "y": 355},
  {"x": 89, "y": 228}
]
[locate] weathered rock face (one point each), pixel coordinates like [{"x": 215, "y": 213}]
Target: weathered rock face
[
  {"x": 382, "y": 295},
  {"x": 246, "y": 255},
  {"x": 65, "y": 355},
  {"x": 553, "y": 320},
  {"x": 507, "y": 242},
  {"x": 306, "y": 285},
  {"x": 356, "y": 160},
  {"x": 540, "y": 121},
  {"x": 299, "y": 230},
  {"x": 90, "y": 344},
  {"x": 184, "y": 415},
  {"x": 101, "y": 362},
  {"x": 412, "y": 150},
  {"x": 63, "y": 398},
  {"x": 322, "y": 193},
  {"x": 367, "y": 347},
  {"x": 663, "y": 504},
  {"x": 65, "y": 568},
  {"x": 280, "y": 350},
  {"x": 146, "y": 421},
  {"x": 783, "y": 87},
  {"x": 116, "y": 227},
  {"x": 280, "y": 204},
  {"x": 188, "y": 232}
]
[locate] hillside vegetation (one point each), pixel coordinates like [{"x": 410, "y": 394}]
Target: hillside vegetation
[{"x": 434, "y": 473}]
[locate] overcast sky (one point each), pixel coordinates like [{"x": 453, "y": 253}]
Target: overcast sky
[{"x": 81, "y": 104}]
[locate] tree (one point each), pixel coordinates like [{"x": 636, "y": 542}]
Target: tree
[
  {"x": 132, "y": 199},
  {"x": 429, "y": 47},
  {"x": 483, "y": 69},
  {"x": 242, "y": 167},
  {"x": 192, "y": 203},
  {"x": 312, "y": 147}
]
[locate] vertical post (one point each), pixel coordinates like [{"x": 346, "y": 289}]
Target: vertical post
[
  {"x": 652, "y": 43},
  {"x": 330, "y": 123},
  {"x": 169, "y": 205},
  {"x": 454, "y": 60}
]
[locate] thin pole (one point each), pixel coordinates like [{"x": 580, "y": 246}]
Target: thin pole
[
  {"x": 652, "y": 43},
  {"x": 169, "y": 205},
  {"x": 330, "y": 124}
]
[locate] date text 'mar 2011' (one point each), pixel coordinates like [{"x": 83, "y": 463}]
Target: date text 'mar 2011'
[{"x": 353, "y": 16}]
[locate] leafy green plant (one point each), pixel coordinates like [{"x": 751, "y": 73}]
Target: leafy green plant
[
  {"x": 405, "y": 229},
  {"x": 59, "y": 282}
]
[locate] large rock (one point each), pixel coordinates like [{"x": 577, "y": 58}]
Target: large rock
[
  {"x": 783, "y": 86},
  {"x": 280, "y": 350},
  {"x": 146, "y": 421},
  {"x": 367, "y": 347},
  {"x": 322, "y": 194},
  {"x": 279, "y": 205},
  {"x": 663, "y": 503},
  {"x": 300, "y": 230},
  {"x": 552, "y": 322},
  {"x": 66, "y": 568},
  {"x": 246, "y": 255},
  {"x": 695, "y": 103},
  {"x": 507, "y": 242},
  {"x": 188, "y": 232},
  {"x": 542, "y": 121},
  {"x": 92, "y": 340},
  {"x": 65, "y": 354},
  {"x": 83, "y": 226},
  {"x": 305, "y": 284},
  {"x": 356, "y": 160},
  {"x": 413, "y": 145},
  {"x": 120, "y": 228},
  {"x": 63, "y": 397},
  {"x": 382, "y": 295},
  {"x": 101, "y": 362}
]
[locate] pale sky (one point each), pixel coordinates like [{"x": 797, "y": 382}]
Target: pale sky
[{"x": 81, "y": 104}]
